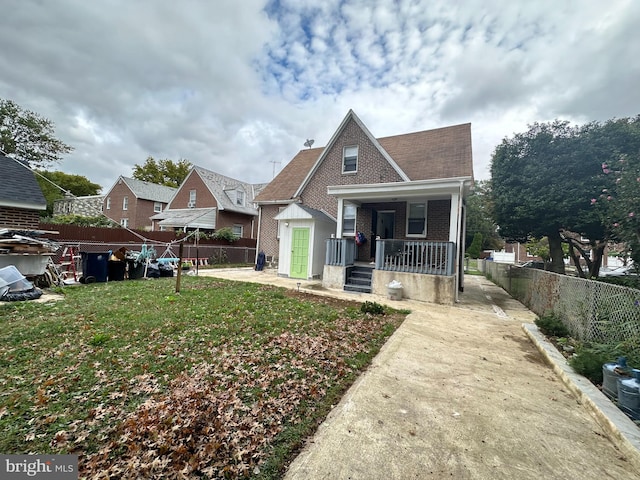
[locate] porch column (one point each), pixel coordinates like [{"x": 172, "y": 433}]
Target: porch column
[
  {"x": 339, "y": 222},
  {"x": 453, "y": 217}
]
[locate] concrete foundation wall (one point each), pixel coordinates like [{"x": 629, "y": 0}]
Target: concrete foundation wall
[
  {"x": 333, "y": 276},
  {"x": 424, "y": 288}
]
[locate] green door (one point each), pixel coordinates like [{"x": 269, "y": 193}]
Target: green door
[{"x": 299, "y": 253}]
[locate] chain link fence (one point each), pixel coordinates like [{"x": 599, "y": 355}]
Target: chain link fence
[{"x": 591, "y": 310}]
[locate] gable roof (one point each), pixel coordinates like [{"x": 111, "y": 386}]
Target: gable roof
[
  {"x": 223, "y": 187},
  {"x": 187, "y": 218},
  {"x": 20, "y": 189},
  {"x": 441, "y": 153},
  {"x": 296, "y": 211},
  {"x": 149, "y": 191}
]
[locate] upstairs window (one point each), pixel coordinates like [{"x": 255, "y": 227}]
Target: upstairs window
[
  {"x": 125, "y": 203},
  {"x": 192, "y": 199},
  {"x": 417, "y": 219},
  {"x": 108, "y": 203},
  {"x": 350, "y": 160},
  {"x": 349, "y": 219},
  {"x": 240, "y": 197},
  {"x": 157, "y": 207}
]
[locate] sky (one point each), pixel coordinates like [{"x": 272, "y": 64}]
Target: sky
[{"x": 237, "y": 87}]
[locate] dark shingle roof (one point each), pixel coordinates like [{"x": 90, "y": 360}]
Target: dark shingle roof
[{"x": 20, "y": 188}]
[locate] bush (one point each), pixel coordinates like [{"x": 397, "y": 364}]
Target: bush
[
  {"x": 552, "y": 326},
  {"x": 588, "y": 363},
  {"x": 373, "y": 308},
  {"x": 225, "y": 233}
]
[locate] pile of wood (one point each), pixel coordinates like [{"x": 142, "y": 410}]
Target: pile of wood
[{"x": 21, "y": 242}]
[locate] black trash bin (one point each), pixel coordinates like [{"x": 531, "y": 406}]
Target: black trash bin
[
  {"x": 116, "y": 270},
  {"x": 166, "y": 270},
  {"x": 136, "y": 269},
  {"x": 94, "y": 267}
]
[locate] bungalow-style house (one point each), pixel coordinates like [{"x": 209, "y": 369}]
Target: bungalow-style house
[
  {"x": 364, "y": 211},
  {"x": 209, "y": 201},
  {"x": 21, "y": 199},
  {"x": 132, "y": 203}
]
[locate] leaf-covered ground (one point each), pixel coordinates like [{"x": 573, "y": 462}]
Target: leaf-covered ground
[{"x": 224, "y": 379}]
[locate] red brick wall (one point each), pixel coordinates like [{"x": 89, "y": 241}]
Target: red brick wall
[
  {"x": 115, "y": 212},
  {"x": 372, "y": 168},
  {"x": 269, "y": 243},
  {"x": 204, "y": 198},
  {"x": 229, "y": 219},
  {"x": 19, "y": 218},
  {"x": 438, "y": 212}
]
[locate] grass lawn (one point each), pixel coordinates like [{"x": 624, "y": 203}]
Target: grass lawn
[{"x": 225, "y": 379}]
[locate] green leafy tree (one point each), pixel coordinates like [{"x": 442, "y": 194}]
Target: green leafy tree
[
  {"x": 480, "y": 217},
  {"x": 476, "y": 246},
  {"x": 540, "y": 180},
  {"x": 54, "y": 185},
  {"x": 618, "y": 204},
  {"x": 29, "y": 136},
  {"x": 163, "y": 172}
]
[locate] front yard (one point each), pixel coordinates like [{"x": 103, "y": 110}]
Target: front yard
[{"x": 224, "y": 379}]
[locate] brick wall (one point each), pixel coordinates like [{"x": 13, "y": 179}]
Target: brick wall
[
  {"x": 438, "y": 213},
  {"x": 204, "y": 198},
  {"x": 229, "y": 219},
  {"x": 269, "y": 243},
  {"x": 19, "y": 218},
  {"x": 372, "y": 168}
]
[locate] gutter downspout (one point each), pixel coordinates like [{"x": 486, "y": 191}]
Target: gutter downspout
[
  {"x": 255, "y": 260},
  {"x": 459, "y": 243}
]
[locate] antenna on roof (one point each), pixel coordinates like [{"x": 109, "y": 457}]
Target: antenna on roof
[
  {"x": 274, "y": 167},
  {"x": 308, "y": 143}
]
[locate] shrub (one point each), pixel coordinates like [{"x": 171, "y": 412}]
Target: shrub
[
  {"x": 225, "y": 233},
  {"x": 552, "y": 326},
  {"x": 373, "y": 308},
  {"x": 589, "y": 364}
]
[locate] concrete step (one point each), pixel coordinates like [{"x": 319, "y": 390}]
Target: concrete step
[{"x": 357, "y": 288}]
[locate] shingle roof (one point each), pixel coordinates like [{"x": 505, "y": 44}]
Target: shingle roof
[
  {"x": 187, "y": 217},
  {"x": 20, "y": 188},
  {"x": 284, "y": 186},
  {"x": 430, "y": 154},
  {"x": 150, "y": 191},
  {"x": 221, "y": 187}
]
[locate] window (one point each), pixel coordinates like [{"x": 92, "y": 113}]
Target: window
[
  {"x": 157, "y": 207},
  {"x": 125, "y": 203},
  {"x": 124, "y": 222},
  {"x": 239, "y": 197},
  {"x": 349, "y": 219},
  {"x": 350, "y": 160},
  {"x": 108, "y": 203},
  {"x": 416, "y": 219},
  {"x": 237, "y": 230},
  {"x": 192, "y": 199}
]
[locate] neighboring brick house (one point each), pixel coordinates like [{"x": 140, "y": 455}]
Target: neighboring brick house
[
  {"x": 86, "y": 205},
  {"x": 328, "y": 206},
  {"x": 209, "y": 201},
  {"x": 132, "y": 203},
  {"x": 21, "y": 199}
]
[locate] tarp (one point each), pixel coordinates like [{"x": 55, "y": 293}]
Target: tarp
[{"x": 14, "y": 286}]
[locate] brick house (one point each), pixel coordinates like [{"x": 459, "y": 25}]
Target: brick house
[
  {"x": 363, "y": 211},
  {"x": 209, "y": 201},
  {"x": 132, "y": 203},
  {"x": 21, "y": 199}
]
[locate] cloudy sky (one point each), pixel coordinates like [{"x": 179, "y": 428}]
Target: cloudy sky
[{"x": 238, "y": 86}]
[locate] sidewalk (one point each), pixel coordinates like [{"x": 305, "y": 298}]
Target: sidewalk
[{"x": 462, "y": 392}]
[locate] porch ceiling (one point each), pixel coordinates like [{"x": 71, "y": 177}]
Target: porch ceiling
[{"x": 401, "y": 190}]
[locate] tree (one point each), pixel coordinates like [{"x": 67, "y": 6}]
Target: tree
[
  {"x": 97, "y": 221},
  {"x": 540, "y": 180},
  {"x": 29, "y": 136},
  {"x": 77, "y": 185},
  {"x": 480, "y": 217},
  {"x": 163, "y": 172},
  {"x": 476, "y": 246},
  {"x": 619, "y": 203}
]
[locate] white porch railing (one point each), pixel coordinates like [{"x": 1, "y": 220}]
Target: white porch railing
[
  {"x": 340, "y": 251},
  {"x": 431, "y": 258}
]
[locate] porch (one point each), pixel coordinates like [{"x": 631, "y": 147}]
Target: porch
[{"x": 425, "y": 268}]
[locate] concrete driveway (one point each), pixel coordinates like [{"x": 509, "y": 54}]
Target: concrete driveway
[{"x": 463, "y": 392}]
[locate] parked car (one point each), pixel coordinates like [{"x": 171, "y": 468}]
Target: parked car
[
  {"x": 618, "y": 272},
  {"x": 533, "y": 264}
]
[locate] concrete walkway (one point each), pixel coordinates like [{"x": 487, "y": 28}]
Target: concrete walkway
[{"x": 465, "y": 392}]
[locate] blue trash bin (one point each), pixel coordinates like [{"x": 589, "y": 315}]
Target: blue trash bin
[{"x": 94, "y": 267}]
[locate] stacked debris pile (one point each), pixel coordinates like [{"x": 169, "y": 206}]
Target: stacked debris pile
[{"x": 25, "y": 251}]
